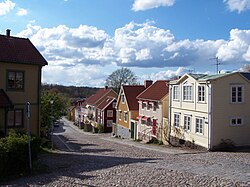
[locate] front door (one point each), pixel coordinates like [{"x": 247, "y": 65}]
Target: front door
[{"x": 132, "y": 130}]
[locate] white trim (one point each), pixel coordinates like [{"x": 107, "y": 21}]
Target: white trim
[{"x": 237, "y": 93}]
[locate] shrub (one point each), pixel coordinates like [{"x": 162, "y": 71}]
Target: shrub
[
  {"x": 100, "y": 128},
  {"x": 14, "y": 154}
]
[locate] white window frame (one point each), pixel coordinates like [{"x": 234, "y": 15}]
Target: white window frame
[
  {"x": 237, "y": 96},
  {"x": 177, "y": 119},
  {"x": 201, "y": 93},
  {"x": 114, "y": 104},
  {"x": 176, "y": 92},
  {"x": 188, "y": 93},
  {"x": 120, "y": 115},
  {"x": 143, "y": 105},
  {"x": 149, "y": 106},
  {"x": 125, "y": 116},
  {"x": 156, "y": 105},
  {"x": 110, "y": 113},
  {"x": 199, "y": 127},
  {"x": 109, "y": 122},
  {"x": 236, "y": 124},
  {"x": 187, "y": 122}
]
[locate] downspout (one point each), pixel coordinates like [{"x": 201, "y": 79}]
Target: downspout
[
  {"x": 210, "y": 135},
  {"x": 169, "y": 113}
]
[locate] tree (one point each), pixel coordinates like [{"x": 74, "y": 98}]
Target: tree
[
  {"x": 120, "y": 77},
  {"x": 246, "y": 68},
  {"x": 53, "y": 106}
]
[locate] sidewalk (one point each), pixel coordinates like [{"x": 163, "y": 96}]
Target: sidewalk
[{"x": 153, "y": 147}]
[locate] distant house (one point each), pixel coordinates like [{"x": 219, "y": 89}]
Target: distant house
[
  {"x": 208, "y": 110},
  {"x": 20, "y": 82},
  {"x": 95, "y": 100},
  {"x": 106, "y": 113},
  {"x": 153, "y": 107},
  {"x": 127, "y": 110}
]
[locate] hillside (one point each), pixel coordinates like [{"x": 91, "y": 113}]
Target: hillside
[{"x": 71, "y": 91}]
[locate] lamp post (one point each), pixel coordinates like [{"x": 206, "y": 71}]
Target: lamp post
[{"x": 51, "y": 116}]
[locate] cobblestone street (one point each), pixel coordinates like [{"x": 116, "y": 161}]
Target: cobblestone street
[{"x": 86, "y": 159}]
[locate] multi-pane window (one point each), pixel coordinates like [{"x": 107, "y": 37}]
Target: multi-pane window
[
  {"x": 237, "y": 94},
  {"x": 187, "y": 122},
  {"x": 109, "y": 123},
  {"x": 187, "y": 93},
  {"x": 125, "y": 116},
  {"x": 143, "y": 105},
  {"x": 149, "y": 106},
  {"x": 15, "y": 118},
  {"x": 155, "y": 106},
  {"x": 236, "y": 121},
  {"x": 199, "y": 125},
  {"x": 176, "y": 120},
  {"x": 113, "y": 104},
  {"x": 120, "y": 115},
  {"x": 201, "y": 93},
  {"x": 109, "y": 113},
  {"x": 176, "y": 93},
  {"x": 15, "y": 80}
]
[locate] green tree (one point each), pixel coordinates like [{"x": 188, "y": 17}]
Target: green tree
[
  {"x": 53, "y": 106},
  {"x": 123, "y": 76}
]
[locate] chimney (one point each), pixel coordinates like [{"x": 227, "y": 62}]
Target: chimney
[
  {"x": 106, "y": 87},
  {"x": 147, "y": 83},
  {"x": 8, "y": 33}
]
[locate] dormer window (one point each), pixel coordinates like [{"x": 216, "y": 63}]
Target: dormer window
[{"x": 123, "y": 99}]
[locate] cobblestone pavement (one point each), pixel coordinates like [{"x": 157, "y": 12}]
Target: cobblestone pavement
[{"x": 85, "y": 159}]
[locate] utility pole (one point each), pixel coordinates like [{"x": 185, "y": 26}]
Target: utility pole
[{"x": 28, "y": 111}]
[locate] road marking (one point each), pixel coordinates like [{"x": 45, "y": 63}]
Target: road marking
[{"x": 64, "y": 143}]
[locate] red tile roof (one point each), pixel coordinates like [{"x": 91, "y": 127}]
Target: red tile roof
[
  {"x": 19, "y": 50},
  {"x": 106, "y": 102},
  {"x": 156, "y": 91},
  {"x": 130, "y": 92},
  {"x": 92, "y": 100},
  {"x": 5, "y": 101}
]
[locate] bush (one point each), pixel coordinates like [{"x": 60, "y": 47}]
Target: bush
[{"x": 14, "y": 154}]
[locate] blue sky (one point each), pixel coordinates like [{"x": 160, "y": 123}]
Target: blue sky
[{"x": 85, "y": 40}]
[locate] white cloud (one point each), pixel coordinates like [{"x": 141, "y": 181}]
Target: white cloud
[
  {"x": 149, "y": 4},
  {"x": 86, "y": 48},
  {"x": 238, "y": 5},
  {"x": 6, "y": 6},
  {"x": 22, "y": 12}
]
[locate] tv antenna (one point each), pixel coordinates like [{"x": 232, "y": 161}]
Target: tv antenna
[{"x": 217, "y": 63}]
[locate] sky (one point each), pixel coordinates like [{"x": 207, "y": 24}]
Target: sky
[{"x": 84, "y": 41}]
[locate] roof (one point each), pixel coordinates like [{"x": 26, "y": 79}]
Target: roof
[
  {"x": 5, "y": 101},
  {"x": 131, "y": 92},
  {"x": 246, "y": 75},
  {"x": 19, "y": 50},
  {"x": 156, "y": 91},
  {"x": 92, "y": 100},
  {"x": 105, "y": 103}
]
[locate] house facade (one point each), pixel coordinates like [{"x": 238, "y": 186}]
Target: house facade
[
  {"x": 153, "y": 107},
  {"x": 106, "y": 114},
  {"x": 209, "y": 109},
  {"x": 127, "y": 110},
  {"x": 95, "y": 100},
  {"x": 20, "y": 62}
]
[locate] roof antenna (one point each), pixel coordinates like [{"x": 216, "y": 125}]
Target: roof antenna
[{"x": 217, "y": 63}]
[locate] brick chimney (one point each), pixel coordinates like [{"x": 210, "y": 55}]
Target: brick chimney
[
  {"x": 8, "y": 32},
  {"x": 147, "y": 83}
]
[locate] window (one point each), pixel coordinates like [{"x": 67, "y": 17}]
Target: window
[
  {"x": 237, "y": 93},
  {"x": 110, "y": 113},
  {"x": 114, "y": 104},
  {"x": 176, "y": 93},
  {"x": 199, "y": 125},
  {"x": 109, "y": 123},
  {"x": 187, "y": 93},
  {"x": 120, "y": 115},
  {"x": 143, "y": 105},
  {"x": 149, "y": 106},
  {"x": 15, "y": 118},
  {"x": 15, "y": 80},
  {"x": 155, "y": 106},
  {"x": 236, "y": 121},
  {"x": 187, "y": 122},
  {"x": 201, "y": 93},
  {"x": 123, "y": 98},
  {"x": 125, "y": 116},
  {"x": 176, "y": 120}
]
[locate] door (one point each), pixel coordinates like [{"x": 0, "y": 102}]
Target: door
[
  {"x": 154, "y": 127},
  {"x": 132, "y": 130}
]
